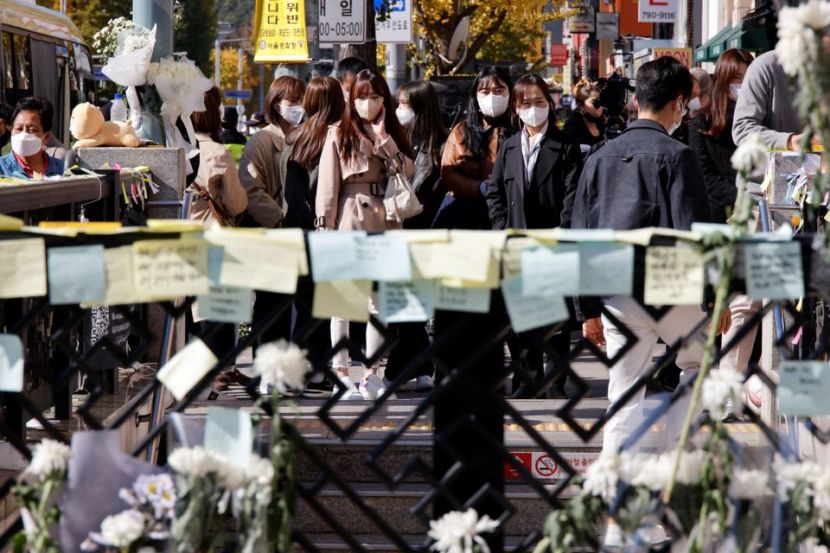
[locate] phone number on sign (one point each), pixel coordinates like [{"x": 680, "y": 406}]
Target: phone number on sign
[
  {"x": 341, "y": 29},
  {"x": 657, "y": 16}
]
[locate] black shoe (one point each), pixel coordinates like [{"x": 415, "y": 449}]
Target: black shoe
[
  {"x": 325, "y": 386},
  {"x": 557, "y": 392}
]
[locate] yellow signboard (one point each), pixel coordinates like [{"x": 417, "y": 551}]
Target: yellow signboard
[
  {"x": 683, "y": 55},
  {"x": 280, "y": 31}
]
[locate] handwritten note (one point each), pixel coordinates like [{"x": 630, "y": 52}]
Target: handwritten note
[
  {"x": 255, "y": 261},
  {"x": 120, "y": 278},
  {"x": 346, "y": 299},
  {"x": 186, "y": 368},
  {"x": 333, "y": 255},
  {"x": 230, "y": 432},
  {"x": 605, "y": 269},
  {"x": 226, "y": 304},
  {"x": 383, "y": 257},
  {"x": 469, "y": 300},
  {"x": 11, "y": 363},
  {"x": 551, "y": 271},
  {"x": 406, "y": 302},
  {"x": 773, "y": 270},
  {"x": 804, "y": 388},
  {"x": 529, "y": 312},
  {"x": 674, "y": 276},
  {"x": 171, "y": 267},
  {"x": 76, "y": 274},
  {"x": 22, "y": 268}
]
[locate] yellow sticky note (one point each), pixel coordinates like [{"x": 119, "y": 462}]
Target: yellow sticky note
[
  {"x": 293, "y": 238},
  {"x": 121, "y": 289},
  {"x": 173, "y": 225},
  {"x": 8, "y": 223},
  {"x": 417, "y": 236},
  {"x": 257, "y": 262},
  {"x": 186, "y": 368},
  {"x": 674, "y": 275},
  {"x": 97, "y": 227},
  {"x": 22, "y": 268},
  {"x": 171, "y": 268},
  {"x": 347, "y": 299}
]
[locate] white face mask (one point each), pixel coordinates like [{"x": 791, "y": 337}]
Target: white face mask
[
  {"x": 694, "y": 105},
  {"x": 406, "y": 116},
  {"x": 534, "y": 116},
  {"x": 492, "y": 105},
  {"x": 676, "y": 124},
  {"x": 735, "y": 90},
  {"x": 368, "y": 108},
  {"x": 26, "y": 144},
  {"x": 292, "y": 114}
]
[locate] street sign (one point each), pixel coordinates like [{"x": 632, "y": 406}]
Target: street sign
[
  {"x": 558, "y": 55},
  {"x": 238, "y": 94},
  {"x": 342, "y": 21},
  {"x": 397, "y": 27},
  {"x": 608, "y": 26},
  {"x": 657, "y": 11},
  {"x": 683, "y": 55},
  {"x": 582, "y": 22},
  {"x": 281, "y": 31}
]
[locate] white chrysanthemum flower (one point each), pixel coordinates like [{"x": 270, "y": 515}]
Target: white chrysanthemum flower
[
  {"x": 194, "y": 461},
  {"x": 159, "y": 491},
  {"x": 282, "y": 365},
  {"x": 751, "y": 155},
  {"x": 789, "y": 475},
  {"x": 460, "y": 532},
  {"x": 691, "y": 466},
  {"x": 798, "y": 35},
  {"x": 261, "y": 471},
  {"x": 121, "y": 530},
  {"x": 602, "y": 477},
  {"x": 821, "y": 495},
  {"x": 720, "y": 386},
  {"x": 749, "y": 484},
  {"x": 645, "y": 470},
  {"x": 50, "y": 457}
]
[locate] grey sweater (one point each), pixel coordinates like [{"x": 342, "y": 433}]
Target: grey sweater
[{"x": 766, "y": 105}]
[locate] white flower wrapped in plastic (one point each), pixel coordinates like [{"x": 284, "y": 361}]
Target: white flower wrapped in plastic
[
  {"x": 282, "y": 365},
  {"x": 460, "y": 532},
  {"x": 129, "y": 66}
]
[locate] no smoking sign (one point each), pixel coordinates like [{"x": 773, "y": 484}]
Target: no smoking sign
[{"x": 540, "y": 465}]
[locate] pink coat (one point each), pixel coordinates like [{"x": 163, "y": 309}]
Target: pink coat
[{"x": 350, "y": 192}]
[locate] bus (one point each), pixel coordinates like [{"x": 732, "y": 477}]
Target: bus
[{"x": 42, "y": 53}]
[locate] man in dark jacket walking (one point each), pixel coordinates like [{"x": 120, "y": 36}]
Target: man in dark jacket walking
[{"x": 644, "y": 178}]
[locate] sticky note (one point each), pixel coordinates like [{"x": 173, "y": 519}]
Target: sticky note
[
  {"x": 469, "y": 300},
  {"x": 76, "y": 274},
  {"x": 463, "y": 261},
  {"x": 585, "y": 235},
  {"x": 11, "y": 363},
  {"x": 773, "y": 270},
  {"x": 171, "y": 267},
  {"x": 406, "y": 302},
  {"x": 22, "y": 268},
  {"x": 674, "y": 276},
  {"x": 383, "y": 257},
  {"x": 605, "y": 269},
  {"x": 804, "y": 388},
  {"x": 226, "y": 304},
  {"x": 186, "y": 368},
  {"x": 346, "y": 299},
  {"x": 529, "y": 312},
  {"x": 120, "y": 278},
  {"x": 294, "y": 239},
  {"x": 230, "y": 432},
  {"x": 255, "y": 262},
  {"x": 713, "y": 228},
  {"x": 551, "y": 271},
  {"x": 333, "y": 255}
]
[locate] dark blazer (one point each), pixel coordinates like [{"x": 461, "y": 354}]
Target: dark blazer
[
  {"x": 544, "y": 201},
  {"x": 715, "y": 153}
]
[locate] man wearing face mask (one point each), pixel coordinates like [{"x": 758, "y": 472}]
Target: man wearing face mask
[{"x": 31, "y": 131}]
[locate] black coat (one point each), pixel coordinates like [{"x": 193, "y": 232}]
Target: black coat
[
  {"x": 545, "y": 201},
  {"x": 643, "y": 178},
  {"x": 715, "y": 154}
]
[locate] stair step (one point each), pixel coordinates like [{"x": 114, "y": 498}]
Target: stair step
[{"x": 379, "y": 543}]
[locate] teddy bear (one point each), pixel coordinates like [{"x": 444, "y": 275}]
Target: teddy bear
[{"x": 89, "y": 128}]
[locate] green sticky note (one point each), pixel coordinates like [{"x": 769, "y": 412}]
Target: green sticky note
[
  {"x": 605, "y": 269},
  {"x": 468, "y": 300},
  {"x": 529, "y": 312},
  {"x": 76, "y": 275},
  {"x": 551, "y": 271},
  {"x": 804, "y": 388},
  {"x": 227, "y": 304},
  {"x": 773, "y": 270},
  {"x": 230, "y": 432},
  {"x": 406, "y": 302},
  {"x": 11, "y": 363}
]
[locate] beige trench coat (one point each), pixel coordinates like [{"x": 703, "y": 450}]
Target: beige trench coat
[
  {"x": 218, "y": 175},
  {"x": 260, "y": 174},
  {"x": 350, "y": 192}
]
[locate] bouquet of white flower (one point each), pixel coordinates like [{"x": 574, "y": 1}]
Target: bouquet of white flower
[{"x": 105, "y": 41}]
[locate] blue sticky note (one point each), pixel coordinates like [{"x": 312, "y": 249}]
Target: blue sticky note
[
  {"x": 227, "y": 304},
  {"x": 469, "y": 300},
  {"x": 605, "y": 269},
  {"x": 804, "y": 388},
  {"x": 406, "y": 302},
  {"x": 215, "y": 256},
  {"x": 551, "y": 271},
  {"x": 529, "y": 312},
  {"x": 11, "y": 363},
  {"x": 76, "y": 274},
  {"x": 230, "y": 432},
  {"x": 334, "y": 255},
  {"x": 343, "y": 255},
  {"x": 774, "y": 270},
  {"x": 384, "y": 257}
]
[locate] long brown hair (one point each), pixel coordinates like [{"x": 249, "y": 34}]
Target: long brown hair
[
  {"x": 209, "y": 121},
  {"x": 283, "y": 88},
  {"x": 583, "y": 90},
  {"x": 323, "y": 103},
  {"x": 728, "y": 67},
  {"x": 428, "y": 131},
  {"x": 352, "y": 126}
]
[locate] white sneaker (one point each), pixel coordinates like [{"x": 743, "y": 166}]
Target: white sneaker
[
  {"x": 352, "y": 393},
  {"x": 372, "y": 387},
  {"x": 424, "y": 383},
  {"x": 613, "y": 536},
  {"x": 655, "y": 535}
]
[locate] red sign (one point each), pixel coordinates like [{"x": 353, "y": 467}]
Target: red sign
[
  {"x": 524, "y": 459},
  {"x": 558, "y": 55}
]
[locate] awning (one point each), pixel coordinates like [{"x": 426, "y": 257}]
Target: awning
[
  {"x": 755, "y": 39},
  {"x": 711, "y": 49}
]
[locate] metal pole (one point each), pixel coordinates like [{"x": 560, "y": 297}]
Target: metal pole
[
  {"x": 395, "y": 66},
  {"x": 217, "y": 67},
  {"x": 160, "y": 13}
]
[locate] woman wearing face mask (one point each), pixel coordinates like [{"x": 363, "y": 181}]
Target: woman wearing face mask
[
  {"x": 586, "y": 124},
  {"x": 30, "y": 131},
  {"x": 533, "y": 186},
  {"x": 352, "y": 181},
  {"x": 711, "y": 135},
  {"x": 470, "y": 151}
]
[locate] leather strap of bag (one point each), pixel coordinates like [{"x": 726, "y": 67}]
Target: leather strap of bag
[{"x": 215, "y": 210}]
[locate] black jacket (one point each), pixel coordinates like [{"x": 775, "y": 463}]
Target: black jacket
[
  {"x": 576, "y": 129},
  {"x": 715, "y": 154},
  {"x": 643, "y": 178},
  {"x": 546, "y": 200}
]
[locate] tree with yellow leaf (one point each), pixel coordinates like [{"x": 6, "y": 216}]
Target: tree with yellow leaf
[
  {"x": 504, "y": 30},
  {"x": 229, "y": 73}
]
